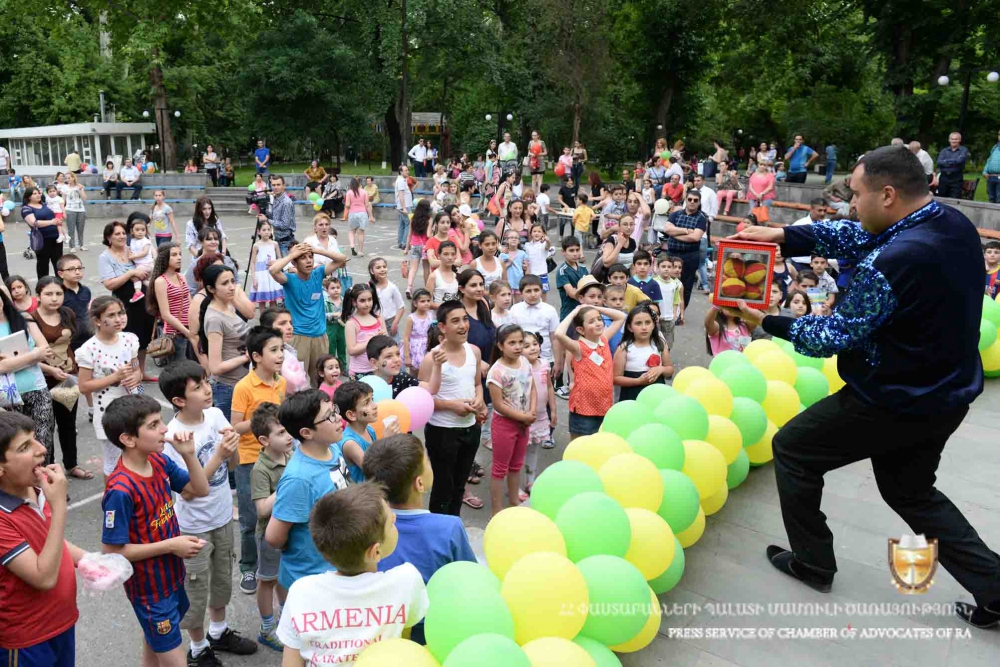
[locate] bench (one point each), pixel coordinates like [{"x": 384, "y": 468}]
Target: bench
[
  {"x": 989, "y": 233},
  {"x": 92, "y": 188}
]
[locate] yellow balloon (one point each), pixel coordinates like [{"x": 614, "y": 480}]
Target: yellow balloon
[
  {"x": 832, "y": 376},
  {"x": 760, "y": 452},
  {"x": 648, "y": 632},
  {"x": 713, "y": 504},
  {"x": 394, "y": 652},
  {"x": 547, "y": 596},
  {"x": 782, "y": 402},
  {"x": 759, "y": 347},
  {"x": 776, "y": 365},
  {"x": 652, "y": 547},
  {"x": 557, "y": 652},
  {"x": 688, "y": 375},
  {"x": 991, "y": 356},
  {"x": 705, "y": 465},
  {"x": 516, "y": 532},
  {"x": 693, "y": 533},
  {"x": 713, "y": 394},
  {"x": 633, "y": 481},
  {"x": 725, "y": 436},
  {"x": 595, "y": 450}
]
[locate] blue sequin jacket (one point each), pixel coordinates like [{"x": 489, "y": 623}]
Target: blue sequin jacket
[{"x": 906, "y": 333}]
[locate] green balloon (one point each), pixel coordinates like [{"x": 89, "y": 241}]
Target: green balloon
[
  {"x": 313, "y": 196},
  {"x": 561, "y": 481},
  {"x": 680, "y": 504},
  {"x": 601, "y": 654},
  {"x": 991, "y": 310},
  {"x": 992, "y": 374},
  {"x": 746, "y": 381},
  {"x": 684, "y": 415},
  {"x": 487, "y": 650},
  {"x": 619, "y": 599},
  {"x": 783, "y": 344},
  {"x": 624, "y": 417},
  {"x": 656, "y": 442},
  {"x": 594, "y": 523},
  {"x": 749, "y": 418},
  {"x": 738, "y": 470},
  {"x": 651, "y": 397},
  {"x": 726, "y": 360},
  {"x": 802, "y": 361},
  {"x": 457, "y": 615},
  {"x": 811, "y": 385},
  {"x": 463, "y": 576},
  {"x": 987, "y": 334},
  {"x": 666, "y": 581},
  {"x": 251, "y": 188}
]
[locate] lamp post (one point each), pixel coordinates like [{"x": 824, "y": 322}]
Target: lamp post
[
  {"x": 992, "y": 77},
  {"x": 500, "y": 117},
  {"x": 160, "y": 136}
]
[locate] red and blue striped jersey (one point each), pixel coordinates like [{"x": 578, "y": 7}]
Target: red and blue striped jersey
[{"x": 140, "y": 510}]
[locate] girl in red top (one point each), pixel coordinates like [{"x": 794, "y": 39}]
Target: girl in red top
[
  {"x": 592, "y": 394},
  {"x": 170, "y": 298}
]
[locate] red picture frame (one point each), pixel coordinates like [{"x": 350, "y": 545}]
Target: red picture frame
[{"x": 731, "y": 283}]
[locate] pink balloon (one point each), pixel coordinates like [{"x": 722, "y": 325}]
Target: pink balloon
[{"x": 420, "y": 403}]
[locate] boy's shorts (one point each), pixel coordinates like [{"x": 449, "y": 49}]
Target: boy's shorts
[
  {"x": 60, "y": 651},
  {"x": 161, "y": 621},
  {"x": 545, "y": 282},
  {"x": 667, "y": 329},
  {"x": 209, "y": 580},
  {"x": 268, "y": 560}
]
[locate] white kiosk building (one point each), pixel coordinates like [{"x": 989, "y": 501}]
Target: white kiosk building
[{"x": 41, "y": 150}]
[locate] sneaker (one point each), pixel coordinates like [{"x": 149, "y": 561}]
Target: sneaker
[
  {"x": 206, "y": 658},
  {"x": 248, "y": 583},
  {"x": 232, "y": 642},
  {"x": 563, "y": 392},
  {"x": 138, "y": 296},
  {"x": 61, "y": 239},
  {"x": 548, "y": 443},
  {"x": 270, "y": 640},
  {"x": 83, "y": 248}
]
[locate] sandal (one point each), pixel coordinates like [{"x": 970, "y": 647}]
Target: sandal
[
  {"x": 477, "y": 474},
  {"x": 80, "y": 473},
  {"x": 149, "y": 378},
  {"x": 472, "y": 501},
  {"x": 977, "y": 617}
]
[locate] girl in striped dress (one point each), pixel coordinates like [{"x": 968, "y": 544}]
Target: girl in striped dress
[
  {"x": 266, "y": 290},
  {"x": 170, "y": 298}
]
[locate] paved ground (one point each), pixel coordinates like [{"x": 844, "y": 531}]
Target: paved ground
[{"x": 726, "y": 566}]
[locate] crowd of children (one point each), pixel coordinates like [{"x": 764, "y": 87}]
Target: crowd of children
[{"x": 330, "y": 515}]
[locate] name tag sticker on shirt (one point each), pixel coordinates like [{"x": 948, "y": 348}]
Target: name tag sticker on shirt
[
  {"x": 109, "y": 519},
  {"x": 316, "y": 296},
  {"x": 596, "y": 358}
]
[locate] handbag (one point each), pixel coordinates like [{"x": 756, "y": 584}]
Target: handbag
[
  {"x": 494, "y": 205},
  {"x": 162, "y": 345},
  {"x": 550, "y": 264},
  {"x": 10, "y": 397},
  {"x": 597, "y": 269},
  {"x": 762, "y": 213},
  {"x": 37, "y": 240}
]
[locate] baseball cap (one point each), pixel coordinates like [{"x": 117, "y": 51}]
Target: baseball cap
[{"x": 465, "y": 210}]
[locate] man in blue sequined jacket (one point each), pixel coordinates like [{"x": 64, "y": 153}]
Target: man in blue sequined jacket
[{"x": 906, "y": 340}]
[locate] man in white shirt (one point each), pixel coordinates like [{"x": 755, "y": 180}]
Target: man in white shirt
[
  {"x": 418, "y": 154},
  {"x": 709, "y": 200},
  {"x": 507, "y": 154},
  {"x": 817, "y": 213},
  {"x": 925, "y": 160},
  {"x": 404, "y": 204},
  {"x": 128, "y": 177},
  {"x": 5, "y": 162}
]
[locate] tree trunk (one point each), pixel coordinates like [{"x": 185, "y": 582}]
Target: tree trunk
[
  {"x": 577, "y": 118},
  {"x": 403, "y": 110},
  {"x": 397, "y": 152},
  {"x": 168, "y": 149},
  {"x": 663, "y": 106}
]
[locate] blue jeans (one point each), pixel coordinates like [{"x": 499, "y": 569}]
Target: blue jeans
[
  {"x": 703, "y": 261},
  {"x": 285, "y": 245},
  {"x": 222, "y": 397},
  {"x": 248, "y": 519},
  {"x": 993, "y": 188},
  {"x": 830, "y": 166},
  {"x": 403, "y": 230}
]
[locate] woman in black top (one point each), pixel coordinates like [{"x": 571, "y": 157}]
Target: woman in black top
[{"x": 41, "y": 218}]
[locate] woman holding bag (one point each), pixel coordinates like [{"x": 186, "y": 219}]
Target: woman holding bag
[
  {"x": 170, "y": 299},
  {"x": 761, "y": 189},
  {"x": 58, "y": 325},
  {"x": 44, "y": 231}
]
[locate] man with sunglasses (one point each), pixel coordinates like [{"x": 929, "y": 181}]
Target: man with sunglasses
[{"x": 684, "y": 230}]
